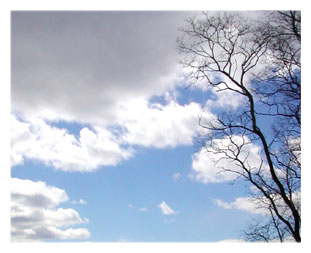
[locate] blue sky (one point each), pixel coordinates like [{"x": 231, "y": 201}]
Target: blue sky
[
  {"x": 104, "y": 130},
  {"x": 145, "y": 181}
]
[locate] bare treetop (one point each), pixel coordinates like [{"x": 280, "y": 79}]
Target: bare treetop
[{"x": 258, "y": 60}]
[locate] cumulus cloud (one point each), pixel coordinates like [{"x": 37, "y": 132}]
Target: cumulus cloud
[
  {"x": 208, "y": 166},
  {"x": 140, "y": 123},
  {"x": 35, "y": 216},
  {"x": 80, "y": 65},
  {"x": 35, "y": 139},
  {"x": 99, "y": 68},
  {"x": 165, "y": 209},
  {"x": 36, "y": 194},
  {"x": 160, "y": 126}
]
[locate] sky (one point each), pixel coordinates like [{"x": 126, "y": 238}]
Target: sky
[{"x": 104, "y": 127}]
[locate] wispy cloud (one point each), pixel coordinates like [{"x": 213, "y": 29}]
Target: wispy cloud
[
  {"x": 176, "y": 177},
  {"x": 223, "y": 204},
  {"x": 143, "y": 209},
  {"x": 167, "y": 221},
  {"x": 257, "y": 205},
  {"x": 246, "y": 204},
  {"x": 80, "y": 201},
  {"x": 165, "y": 209}
]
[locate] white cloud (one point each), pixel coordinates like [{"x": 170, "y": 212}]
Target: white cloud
[
  {"x": 176, "y": 177},
  {"x": 36, "y": 194},
  {"x": 80, "y": 201},
  {"x": 246, "y": 204},
  {"x": 35, "y": 216},
  {"x": 165, "y": 209},
  {"x": 20, "y": 134},
  {"x": 143, "y": 209},
  {"x": 226, "y": 100},
  {"x": 159, "y": 125},
  {"x": 294, "y": 145},
  {"x": 222, "y": 97},
  {"x": 140, "y": 123},
  {"x": 208, "y": 165},
  {"x": 53, "y": 146},
  {"x": 204, "y": 169},
  {"x": 223, "y": 204},
  {"x": 259, "y": 205}
]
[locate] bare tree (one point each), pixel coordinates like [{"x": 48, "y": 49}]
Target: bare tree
[{"x": 259, "y": 61}]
